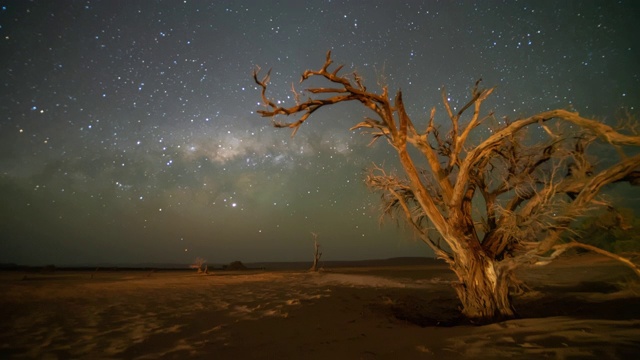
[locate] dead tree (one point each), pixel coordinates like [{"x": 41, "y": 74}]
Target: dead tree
[
  {"x": 198, "y": 263},
  {"x": 486, "y": 203},
  {"x": 316, "y": 253}
]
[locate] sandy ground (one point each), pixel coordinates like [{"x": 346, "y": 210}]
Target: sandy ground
[{"x": 586, "y": 310}]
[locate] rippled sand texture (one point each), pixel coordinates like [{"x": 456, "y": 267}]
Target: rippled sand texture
[{"x": 586, "y": 310}]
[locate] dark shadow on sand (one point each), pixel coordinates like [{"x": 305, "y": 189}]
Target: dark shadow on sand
[{"x": 443, "y": 309}]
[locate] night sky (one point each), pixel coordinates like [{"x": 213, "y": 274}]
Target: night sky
[{"x": 129, "y": 133}]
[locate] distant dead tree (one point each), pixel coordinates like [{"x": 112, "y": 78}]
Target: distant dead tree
[
  {"x": 198, "y": 263},
  {"x": 317, "y": 254},
  {"x": 488, "y": 203}
]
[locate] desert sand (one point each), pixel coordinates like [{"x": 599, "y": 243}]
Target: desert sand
[{"x": 588, "y": 308}]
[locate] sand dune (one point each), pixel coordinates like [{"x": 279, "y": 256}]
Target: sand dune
[{"x": 397, "y": 312}]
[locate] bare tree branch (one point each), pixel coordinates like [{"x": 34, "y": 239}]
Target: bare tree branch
[
  {"x": 561, "y": 248},
  {"x": 527, "y": 189}
]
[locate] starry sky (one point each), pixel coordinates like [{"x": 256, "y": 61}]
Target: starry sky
[{"x": 129, "y": 133}]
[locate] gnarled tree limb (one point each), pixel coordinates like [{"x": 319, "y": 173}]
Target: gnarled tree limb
[{"x": 527, "y": 189}]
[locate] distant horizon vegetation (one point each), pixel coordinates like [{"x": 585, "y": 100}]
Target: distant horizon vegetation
[{"x": 266, "y": 265}]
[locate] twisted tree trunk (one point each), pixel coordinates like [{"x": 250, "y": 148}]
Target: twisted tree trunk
[
  {"x": 527, "y": 192},
  {"x": 483, "y": 289}
]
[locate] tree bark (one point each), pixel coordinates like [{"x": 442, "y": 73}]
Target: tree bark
[
  {"x": 483, "y": 289},
  {"x": 521, "y": 182}
]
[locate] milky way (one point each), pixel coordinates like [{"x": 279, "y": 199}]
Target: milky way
[{"x": 129, "y": 131}]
